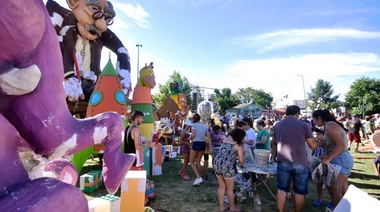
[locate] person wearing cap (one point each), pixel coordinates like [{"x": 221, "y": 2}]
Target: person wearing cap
[{"x": 354, "y": 126}]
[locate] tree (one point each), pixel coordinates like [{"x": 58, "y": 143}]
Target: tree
[
  {"x": 164, "y": 90},
  {"x": 254, "y": 96},
  {"x": 364, "y": 92},
  {"x": 321, "y": 96},
  {"x": 225, "y": 99},
  {"x": 262, "y": 98},
  {"x": 246, "y": 95}
]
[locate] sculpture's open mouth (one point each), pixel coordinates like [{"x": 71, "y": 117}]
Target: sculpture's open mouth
[{"x": 93, "y": 30}]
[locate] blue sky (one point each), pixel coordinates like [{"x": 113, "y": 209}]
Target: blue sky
[{"x": 244, "y": 43}]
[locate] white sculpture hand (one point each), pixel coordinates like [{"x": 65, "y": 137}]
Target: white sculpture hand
[
  {"x": 90, "y": 75},
  {"x": 73, "y": 89},
  {"x": 125, "y": 80}
]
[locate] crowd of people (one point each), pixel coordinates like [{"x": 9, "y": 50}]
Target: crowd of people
[{"x": 294, "y": 141}]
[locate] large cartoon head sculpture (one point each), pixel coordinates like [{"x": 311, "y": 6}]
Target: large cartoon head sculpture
[
  {"x": 205, "y": 109},
  {"x": 82, "y": 32},
  {"x": 146, "y": 77},
  {"x": 37, "y": 129},
  {"x": 92, "y": 16}
]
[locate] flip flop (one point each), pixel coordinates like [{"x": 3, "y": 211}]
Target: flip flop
[
  {"x": 225, "y": 210},
  {"x": 236, "y": 209}
]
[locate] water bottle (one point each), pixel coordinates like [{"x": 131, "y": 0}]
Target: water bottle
[{"x": 257, "y": 203}]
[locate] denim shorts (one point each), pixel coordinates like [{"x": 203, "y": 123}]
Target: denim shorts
[
  {"x": 286, "y": 171},
  {"x": 199, "y": 146},
  {"x": 344, "y": 160}
]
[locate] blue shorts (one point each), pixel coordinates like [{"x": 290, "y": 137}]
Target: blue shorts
[
  {"x": 344, "y": 160},
  {"x": 199, "y": 146},
  {"x": 286, "y": 171}
]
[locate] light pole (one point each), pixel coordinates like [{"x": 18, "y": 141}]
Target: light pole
[
  {"x": 138, "y": 58},
  {"x": 363, "y": 107},
  {"x": 304, "y": 92}
]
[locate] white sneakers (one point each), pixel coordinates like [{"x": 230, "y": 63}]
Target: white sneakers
[{"x": 198, "y": 181}]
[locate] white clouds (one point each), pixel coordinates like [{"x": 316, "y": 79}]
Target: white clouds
[
  {"x": 296, "y": 37},
  {"x": 279, "y": 75},
  {"x": 135, "y": 12}
]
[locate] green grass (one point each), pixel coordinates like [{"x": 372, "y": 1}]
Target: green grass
[{"x": 175, "y": 194}]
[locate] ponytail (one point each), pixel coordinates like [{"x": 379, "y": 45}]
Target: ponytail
[{"x": 326, "y": 116}]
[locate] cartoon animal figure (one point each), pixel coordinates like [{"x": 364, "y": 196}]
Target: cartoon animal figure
[
  {"x": 205, "y": 109},
  {"x": 146, "y": 77},
  {"x": 82, "y": 33},
  {"x": 37, "y": 129}
]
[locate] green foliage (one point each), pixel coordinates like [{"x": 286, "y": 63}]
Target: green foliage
[
  {"x": 262, "y": 99},
  {"x": 226, "y": 99},
  {"x": 321, "y": 96},
  {"x": 257, "y": 97},
  {"x": 364, "y": 91},
  {"x": 246, "y": 95},
  {"x": 164, "y": 90}
]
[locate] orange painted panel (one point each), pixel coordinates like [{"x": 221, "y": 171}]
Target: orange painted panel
[{"x": 133, "y": 191}]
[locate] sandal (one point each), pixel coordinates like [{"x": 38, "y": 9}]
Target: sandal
[
  {"x": 236, "y": 209},
  {"x": 225, "y": 209}
]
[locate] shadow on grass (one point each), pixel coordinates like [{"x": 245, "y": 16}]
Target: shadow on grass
[
  {"x": 361, "y": 175},
  {"x": 176, "y": 194}
]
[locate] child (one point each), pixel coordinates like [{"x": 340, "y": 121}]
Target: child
[
  {"x": 376, "y": 165},
  {"x": 217, "y": 137},
  {"x": 184, "y": 140},
  {"x": 318, "y": 152},
  {"x": 205, "y": 161}
]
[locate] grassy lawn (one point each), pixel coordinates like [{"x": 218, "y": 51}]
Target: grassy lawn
[{"x": 175, "y": 194}]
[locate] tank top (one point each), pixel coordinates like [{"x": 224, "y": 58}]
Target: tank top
[
  {"x": 130, "y": 148},
  {"x": 330, "y": 144}
]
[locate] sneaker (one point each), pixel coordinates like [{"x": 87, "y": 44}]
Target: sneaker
[
  {"x": 205, "y": 178},
  {"x": 330, "y": 206},
  {"x": 185, "y": 176},
  {"x": 317, "y": 203},
  {"x": 198, "y": 181}
]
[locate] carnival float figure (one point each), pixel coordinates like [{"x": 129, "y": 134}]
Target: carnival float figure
[
  {"x": 142, "y": 101},
  {"x": 37, "y": 129},
  {"x": 82, "y": 33},
  {"x": 205, "y": 110}
]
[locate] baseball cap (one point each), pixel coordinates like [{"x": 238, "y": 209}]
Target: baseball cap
[
  {"x": 354, "y": 115},
  {"x": 188, "y": 122}
]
